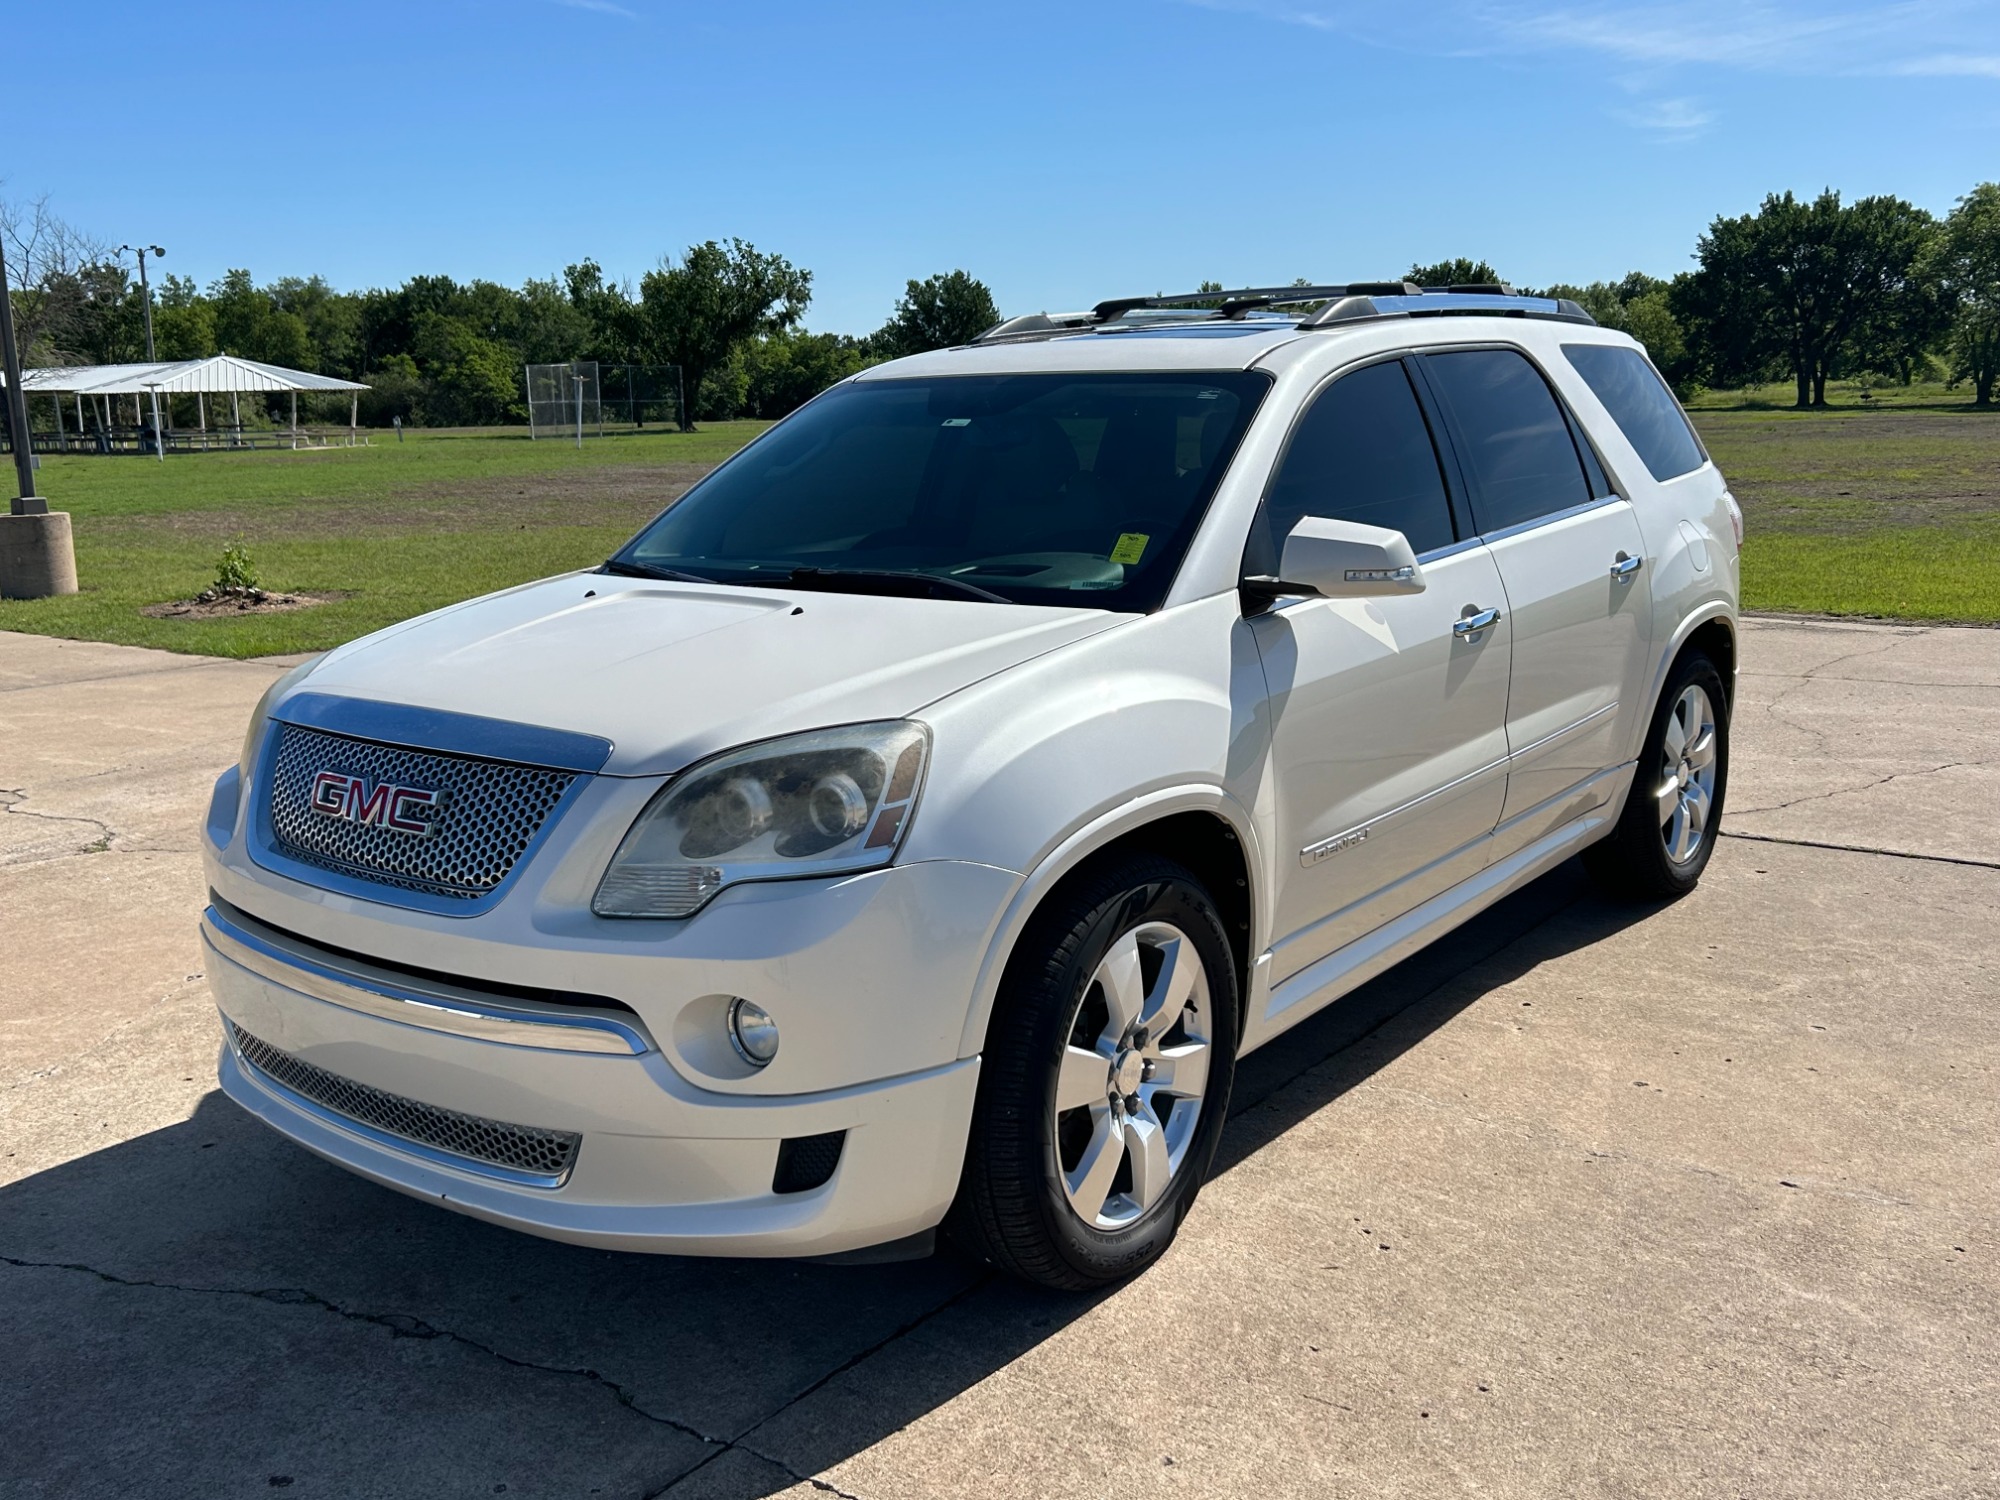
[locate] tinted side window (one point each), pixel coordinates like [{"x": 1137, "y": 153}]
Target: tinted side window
[
  {"x": 1363, "y": 452},
  {"x": 1515, "y": 441},
  {"x": 1641, "y": 405}
]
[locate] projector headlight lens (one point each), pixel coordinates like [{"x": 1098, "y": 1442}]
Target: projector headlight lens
[{"x": 831, "y": 802}]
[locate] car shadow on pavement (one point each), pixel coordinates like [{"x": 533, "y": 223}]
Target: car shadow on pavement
[{"x": 207, "y": 1310}]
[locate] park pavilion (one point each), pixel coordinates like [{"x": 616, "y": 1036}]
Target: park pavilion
[{"x": 101, "y": 390}]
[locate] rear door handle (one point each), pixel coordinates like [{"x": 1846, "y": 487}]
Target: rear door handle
[
  {"x": 1625, "y": 566},
  {"x": 1475, "y": 622}
]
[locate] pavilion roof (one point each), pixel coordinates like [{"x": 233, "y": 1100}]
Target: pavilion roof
[{"x": 219, "y": 373}]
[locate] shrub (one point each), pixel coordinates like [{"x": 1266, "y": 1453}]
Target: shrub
[{"x": 235, "y": 573}]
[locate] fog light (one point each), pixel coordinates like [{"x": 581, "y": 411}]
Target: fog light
[{"x": 752, "y": 1032}]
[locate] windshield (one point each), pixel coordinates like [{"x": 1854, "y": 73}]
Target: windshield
[{"x": 1080, "y": 490}]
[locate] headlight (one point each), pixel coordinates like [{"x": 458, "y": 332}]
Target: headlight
[{"x": 832, "y": 802}]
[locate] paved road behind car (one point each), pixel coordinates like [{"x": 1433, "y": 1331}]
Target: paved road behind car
[{"x": 1589, "y": 1199}]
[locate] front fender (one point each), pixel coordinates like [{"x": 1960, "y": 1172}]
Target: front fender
[{"x": 1100, "y": 834}]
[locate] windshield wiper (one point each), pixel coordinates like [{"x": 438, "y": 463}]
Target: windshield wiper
[
  {"x": 913, "y": 585},
  {"x": 620, "y": 568}
]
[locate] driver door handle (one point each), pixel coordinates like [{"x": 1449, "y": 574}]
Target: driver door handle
[
  {"x": 1475, "y": 622},
  {"x": 1624, "y": 566}
]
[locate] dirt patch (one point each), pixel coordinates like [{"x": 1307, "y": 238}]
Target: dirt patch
[
  {"x": 227, "y": 604},
  {"x": 624, "y": 496},
  {"x": 1851, "y": 473}
]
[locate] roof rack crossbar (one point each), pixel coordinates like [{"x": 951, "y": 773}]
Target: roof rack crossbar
[{"x": 1336, "y": 303}]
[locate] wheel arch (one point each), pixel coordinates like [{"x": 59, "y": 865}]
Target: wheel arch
[
  {"x": 1710, "y": 628},
  {"x": 1202, "y": 828}
]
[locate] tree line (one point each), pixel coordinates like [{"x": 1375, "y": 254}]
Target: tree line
[
  {"x": 1800, "y": 290},
  {"x": 440, "y": 352},
  {"x": 1808, "y": 291}
]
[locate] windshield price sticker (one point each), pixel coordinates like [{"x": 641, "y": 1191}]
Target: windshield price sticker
[{"x": 1131, "y": 547}]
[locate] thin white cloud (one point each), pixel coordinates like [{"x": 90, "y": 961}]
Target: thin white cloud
[
  {"x": 1753, "y": 37},
  {"x": 1947, "y": 66},
  {"x": 1670, "y": 119},
  {"x": 601, "y": 7},
  {"x": 1958, "y": 37}
]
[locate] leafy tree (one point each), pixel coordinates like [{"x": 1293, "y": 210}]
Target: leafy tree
[
  {"x": 1640, "y": 305},
  {"x": 612, "y": 316},
  {"x": 332, "y": 321},
  {"x": 1804, "y": 287},
  {"x": 783, "y": 371},
  {"x": 469, "y": 380},
  {"x": 1966, "y": 264},
  {"x": 1459, "y": 272},
  {"x": 395, "y": 389},
  {"x": 184, "y": 322},
  {"x": 548, "y": 327},
  {"x": 938, "y": 313},
  {"x": 697, "y": 313}
]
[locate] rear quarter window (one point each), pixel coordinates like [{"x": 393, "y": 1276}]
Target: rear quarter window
[{"x": 1641, "y": 405}]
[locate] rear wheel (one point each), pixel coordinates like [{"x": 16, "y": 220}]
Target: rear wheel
[
  {"x": 1105, "y": 1079},
  {"x": 1665, "y": 835}
]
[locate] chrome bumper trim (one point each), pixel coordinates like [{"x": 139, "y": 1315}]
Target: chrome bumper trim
[{"x": 411, "y": 1003}]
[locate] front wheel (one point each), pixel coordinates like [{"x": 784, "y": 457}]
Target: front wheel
[
  {"x": 1105, "y": 1079},
  {"x": 1672, "y": 814}
]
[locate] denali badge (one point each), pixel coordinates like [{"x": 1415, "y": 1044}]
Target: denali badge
[
  {"x": 404, "y": 809},
  {"x": 1312, "y": 854}
]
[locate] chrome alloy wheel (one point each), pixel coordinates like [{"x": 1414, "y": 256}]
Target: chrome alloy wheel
[
  {"x": 1130, "y": 1087},
  {"x": 1686, "y": 791}
]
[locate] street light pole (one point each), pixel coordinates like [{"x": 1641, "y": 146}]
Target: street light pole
[
  {"x": 159, "y": 432},
  {"x": 29, "y": 504},
  {"x": 145, "y": 291},
  {"x": 37, "y": 557}
]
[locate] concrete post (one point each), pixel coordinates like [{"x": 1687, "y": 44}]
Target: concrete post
[{"x": 36, "y": 556}]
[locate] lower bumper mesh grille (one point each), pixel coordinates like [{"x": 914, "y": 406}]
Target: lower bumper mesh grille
[{"x": 526, "y": 1149}]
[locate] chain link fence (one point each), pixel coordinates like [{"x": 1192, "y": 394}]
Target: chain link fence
[
  {"x": 562, "y": 400},
  {"x": 593, "y": 397}
]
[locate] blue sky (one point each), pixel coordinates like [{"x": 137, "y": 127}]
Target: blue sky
[{"x": 1061, "y": 152}]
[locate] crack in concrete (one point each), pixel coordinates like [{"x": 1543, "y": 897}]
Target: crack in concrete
[
  {"x": 1847, "y": 791},
  {"x": 405, "y": 1325},
  {"x": 1807, "y": 677},
  {"x": 740, "y": 1441},
  {"x": 400, "y": 1325},
  {"x": 11, "y": 798},
  {"x": 1940, "y": 859}
]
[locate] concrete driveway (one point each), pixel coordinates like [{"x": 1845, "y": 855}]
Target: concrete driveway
[{"x": 1591, "y": 1200}]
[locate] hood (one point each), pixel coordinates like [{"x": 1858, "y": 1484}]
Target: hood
[{"x": 670, "y": 672}]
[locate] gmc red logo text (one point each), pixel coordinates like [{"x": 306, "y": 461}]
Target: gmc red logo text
[{"x": 403, "y": 809}]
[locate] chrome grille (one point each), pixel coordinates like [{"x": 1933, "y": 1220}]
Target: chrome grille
[
  {"x": 518, "y": 1148},
  {"x": 489, "y": 814}
]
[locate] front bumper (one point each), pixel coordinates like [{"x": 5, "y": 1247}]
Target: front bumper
[{"x": 660, "y": 1164}]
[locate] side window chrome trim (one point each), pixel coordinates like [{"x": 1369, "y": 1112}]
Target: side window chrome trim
[
  {"x": 1550, "y": 519},
  {"x": 1438, "y": 554}
]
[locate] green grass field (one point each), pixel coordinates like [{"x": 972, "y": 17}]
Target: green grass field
[
  {"x": 1878, "y": 510},
  {"x": 396, "y": 528},
  {"x": 1888, "y": 513}
]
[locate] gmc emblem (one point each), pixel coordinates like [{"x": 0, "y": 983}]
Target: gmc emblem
[{"x": 402, "y": 809}]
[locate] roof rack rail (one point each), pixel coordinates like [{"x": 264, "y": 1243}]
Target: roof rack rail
[
  {"x": 1345, "y": 302},
  {"x": 1496, "y": 300}
]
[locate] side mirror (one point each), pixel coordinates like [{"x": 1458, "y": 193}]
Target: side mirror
[{"x": 1345, "y": 560}]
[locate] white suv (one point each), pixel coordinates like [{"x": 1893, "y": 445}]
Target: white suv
[{"x": 914, "y": 824}]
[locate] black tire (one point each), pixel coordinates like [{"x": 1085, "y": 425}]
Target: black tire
[
  {"x": 1635, "y": 860},
  {"x": 1013, "y": 1209}
]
